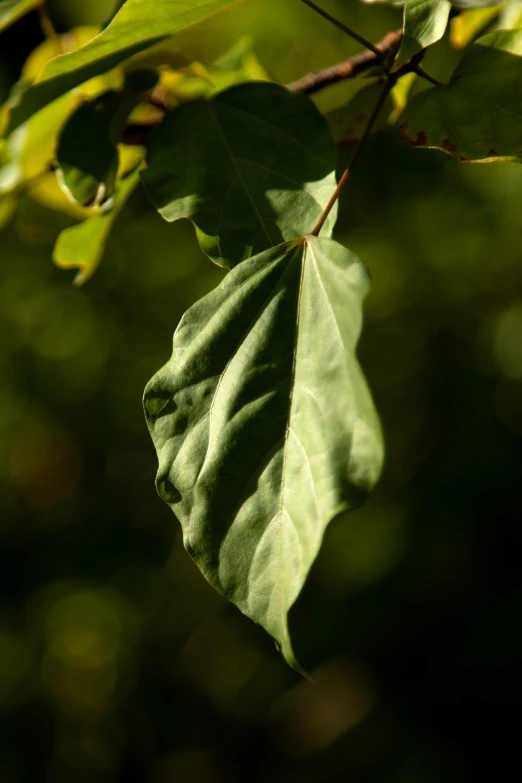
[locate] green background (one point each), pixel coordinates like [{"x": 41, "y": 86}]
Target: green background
[{"x": 118, "y": 663}]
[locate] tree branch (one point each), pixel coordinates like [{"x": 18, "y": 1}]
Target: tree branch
[
  {"x": 317, "y": 80},
  {"x": 348, "y": 69}
]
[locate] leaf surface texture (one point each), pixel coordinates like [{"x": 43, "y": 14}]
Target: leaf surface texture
[{"x": 263, "y": 423}]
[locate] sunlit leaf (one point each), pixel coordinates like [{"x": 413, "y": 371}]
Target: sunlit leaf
[
  {"x": 87, "y": 152},
  {"x": 510, "y": 15},
  {"x": 12, "y": 10},
  {"x": 263, "y": 424},
  {"x": 478, "y": 115},
  {"x": 467, "y": 25},
  {"x": 251, "y": 167},
  {"x": 425, "y": 23},
  {"x": 137, "y": 25},
  {"x": 81, "y": 246}
]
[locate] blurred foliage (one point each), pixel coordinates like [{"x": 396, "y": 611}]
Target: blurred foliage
[{"x": 118, "y": 663}]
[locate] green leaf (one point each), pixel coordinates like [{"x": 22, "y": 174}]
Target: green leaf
[
  {"x": 8, "y": 204},
  {"x": 264, "y": 426},
  {"x": 473, "y": 3},
  {"x": 468, "y": 24},
  {"x": 425, "y": 23},
  {"x": 137, "y": 25},
  {"x": 12, "y": 10},
  {"x": 510, "y": 15},
  {"x": 81, "y": 246},
  {"x": 87, "y": 154},
  {"x": 478, "y": 115},
  {"x": 251, "y": 167},
  {"x": 457, "y": 3}
]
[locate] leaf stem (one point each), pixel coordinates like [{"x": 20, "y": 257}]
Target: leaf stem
[
  {"x": 344, "y": 28},
  {"x": 48, "y": 28},
  {"x": 360, "y": 145}
]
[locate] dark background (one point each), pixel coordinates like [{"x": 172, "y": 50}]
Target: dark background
[{"x": 118, "y": 663}]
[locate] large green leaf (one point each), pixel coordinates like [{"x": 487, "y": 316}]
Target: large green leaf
[
  {"x": 137, "y": 25},
  {"x": 12, "y": 10},
  {"x": 263, "y": 424},
  {"x": 425, "y": 23},
  {"x": 251, "y": 167},
  {"x": 478, "y": 115}
]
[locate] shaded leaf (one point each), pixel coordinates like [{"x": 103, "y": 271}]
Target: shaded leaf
[
  {"x": 87, "y": 154},
  {"x": 137, "y": 25},
  {"x": 12, "y": 10},
  {"x": 251, "y": 167},
  {"x": 467, "y": 25},
  {"x": 81, "y": 246},
  {"x": 425, "y": 23},
  {"x": 263, "y": 424},
  {"x": 347, "y": 123},
  {"x": 30, "y": 150},
  {"x": 8, "y": 203},
  {"x": 478, "y": 115}
]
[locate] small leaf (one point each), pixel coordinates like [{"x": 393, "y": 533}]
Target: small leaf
[
  {"x": 478, "y": 115},
  {"x": 12, "y": 10},
  {"x": 251, "y": 167},
  {"x": 87, "y": 152},
  {"x": 425, "y": 23},
  {"x": 467, "y": 25},
  {"x": 137, "y": 25},
  {"x": 263, "y": 424},
  {"x": 81, "y": 246}
]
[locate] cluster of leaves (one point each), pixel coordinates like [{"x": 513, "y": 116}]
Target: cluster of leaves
[{"x": 263, "y": 423}]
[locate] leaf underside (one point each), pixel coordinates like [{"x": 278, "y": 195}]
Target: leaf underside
[
  {"x": 264, "y": 426},
  {"x": 478, "y": 115},
  {"x": 252, "y": 167}
]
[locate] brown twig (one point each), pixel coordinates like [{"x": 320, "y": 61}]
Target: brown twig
[{"x": 348, "y": 69}]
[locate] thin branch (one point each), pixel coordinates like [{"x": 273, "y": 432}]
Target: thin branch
[
  {"x": 360, "y": 145},
  {"x": 343, "y": 27},
  {"x": 350, "y": 68}
]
